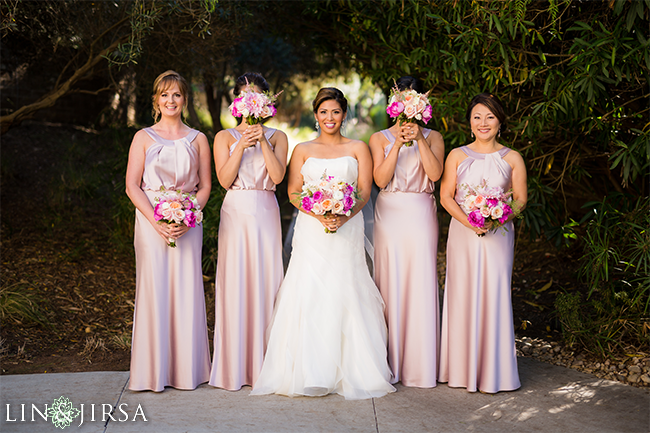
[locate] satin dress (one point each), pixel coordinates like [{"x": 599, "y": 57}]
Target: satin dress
[
  {"x": 170, "y": 336},
  {"x": 328, "y": 333},
  {"x": 406, "y": 250},
  {"x": 478, "y": 340},
  {"x": 249, "y": 271}
]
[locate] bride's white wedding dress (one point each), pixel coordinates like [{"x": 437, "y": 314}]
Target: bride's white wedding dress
[{"x": 328, "y": 332}]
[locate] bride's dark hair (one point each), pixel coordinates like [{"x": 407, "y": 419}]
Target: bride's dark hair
[{"x": 330, "y": 93}]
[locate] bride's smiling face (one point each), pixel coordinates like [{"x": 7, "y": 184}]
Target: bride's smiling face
[{"x": 330, "y": 116}]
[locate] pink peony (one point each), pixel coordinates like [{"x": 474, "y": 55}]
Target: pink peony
[
  {"x": 190, "y": 219},
  {"x": 476, "y": 219},
  {"x": 318, "y": 196},
  {"x": 307, "y": 204},
  {"x": 348, "y": 202},
  {"x": 395, "y": 109}
]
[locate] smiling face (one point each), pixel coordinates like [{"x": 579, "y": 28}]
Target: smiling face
[
  {"x": 329, "y": 116},
  {"x": 484, "y": 123},
  {"x": 171, "y": 101}
]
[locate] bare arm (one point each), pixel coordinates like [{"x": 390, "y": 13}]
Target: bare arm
[
  {"x": 295, "y": 181},
  {"x": 432, "y": 152},
  {"x": 448, "y": 190},
  {"x": 205, "y": 170},
  {"x": 227, "y": 165},
  {"x": 384, "y": 167},
  {"x": 275, "y": 157},
  {"x": 134, "y": 172},
  {"x": 519, "y": 180}
]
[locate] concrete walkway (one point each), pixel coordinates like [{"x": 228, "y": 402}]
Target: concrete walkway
[{"x": 552, "y": 399}]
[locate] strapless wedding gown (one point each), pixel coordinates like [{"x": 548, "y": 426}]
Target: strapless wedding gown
[{"x": 328, "y": 332}]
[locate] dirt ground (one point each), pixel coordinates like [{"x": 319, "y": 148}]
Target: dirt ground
[{"x": 61, "y": 255}]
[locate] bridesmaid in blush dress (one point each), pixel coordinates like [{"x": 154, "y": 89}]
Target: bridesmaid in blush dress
[
  {"x": 478, "y": 342},
  {"x": 250, "y": 161},
  {"x": 406, "y": 244},
  {"x": 170, "y": 336}
]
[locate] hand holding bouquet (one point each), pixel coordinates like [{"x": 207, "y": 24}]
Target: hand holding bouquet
[
  {"x": 408, "y": 106},
  {"x": 328, "y": 196},
  {"x": 488, "y": 207},
  {"x": 176, "y": 207}
]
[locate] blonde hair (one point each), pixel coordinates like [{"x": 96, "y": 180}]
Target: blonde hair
[{"x": 163, "y": 82}]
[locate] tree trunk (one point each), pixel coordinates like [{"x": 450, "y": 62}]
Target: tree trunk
[{"x": 60, "y": 89}]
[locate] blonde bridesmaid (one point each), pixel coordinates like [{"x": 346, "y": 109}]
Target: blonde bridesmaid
[
  {"x": 250, "y": 162},
  {"x": 478, "y": 340},
  {"x": 170, "y": 336},
  {"x": 406, "y": 244}
]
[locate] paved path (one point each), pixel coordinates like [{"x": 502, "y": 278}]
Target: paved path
[{"x": 552, "y": 399}]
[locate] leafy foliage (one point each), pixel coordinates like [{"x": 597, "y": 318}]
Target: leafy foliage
[
  {"x": 573, "y": 75},
  {"x": 616, "y": 268}
]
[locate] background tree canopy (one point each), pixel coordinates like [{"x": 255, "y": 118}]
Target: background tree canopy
[{"x": 573, "y": 75}]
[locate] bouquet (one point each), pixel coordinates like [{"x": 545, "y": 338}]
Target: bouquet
[
  {"x": 408, "y": 106},
  {"x": 254, "y": 107},
  {"x": 328, "y": 196},
  {"x": 487, "y": 205},
  {"x": 176, "y": 207}
]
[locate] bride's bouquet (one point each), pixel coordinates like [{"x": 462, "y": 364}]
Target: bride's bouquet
[
  {"x": 254, "y": 107},
  {"x": 177, "y": 207},
  {"x": 328, "y": 196},
  {"x": 408, "y": 106},
  {"x": 485, "y": 205}
]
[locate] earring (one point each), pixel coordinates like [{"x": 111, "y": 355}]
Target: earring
[
  {"x": 471, "y": 134},
  {"x": 343, "y": 124},
  {"x": 499, "y": 132},
  {"x": 317, "y": 126}
]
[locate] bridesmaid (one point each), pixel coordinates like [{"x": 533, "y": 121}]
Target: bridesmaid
[
  {"x": 170, "y": 336},
  {"x": 478, "y": 341},
  {"x": 250, "y": 161},
  {"x": 406, "y": 244}
]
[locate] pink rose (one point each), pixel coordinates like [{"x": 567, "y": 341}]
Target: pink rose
[
  {"x": 318, "y": 196},
  {"x": 410, "y": 110},
  {"x": 427, "y": 114},
  {"x": 338, "y": 208}
]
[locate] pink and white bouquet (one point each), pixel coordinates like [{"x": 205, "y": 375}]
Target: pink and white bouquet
[
  {"x": 177, "y": 207},
  {"x": 408, "y": 106},
  {"x": 254, "y": 107},
  {"x": 487, "y": 206},
  {"x": 328, "y": 196}
]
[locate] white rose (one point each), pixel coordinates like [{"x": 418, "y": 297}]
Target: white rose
[
  {"x": 337, "y": 195},
  {"x": 338, "y": 208},
  {"x": 485, "y": 212},
  {"x": 317, "y": 209},
  {"x": 497, "y": 212}
]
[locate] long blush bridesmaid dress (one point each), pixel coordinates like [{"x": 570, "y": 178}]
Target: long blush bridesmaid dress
[
  {"x": 249, "y": 271},
  {"x": 406, "y": 248},
  {"x": 170, "y": 335},
  {"x": 478, "y": 340}
]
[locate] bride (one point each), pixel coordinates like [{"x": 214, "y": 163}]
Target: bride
[{"x": 328, "y": 332}]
